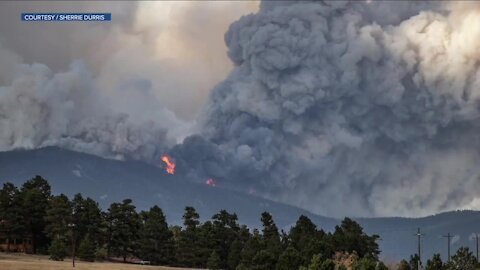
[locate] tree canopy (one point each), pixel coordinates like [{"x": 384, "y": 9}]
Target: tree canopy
[{"x": 57, "y": 225}]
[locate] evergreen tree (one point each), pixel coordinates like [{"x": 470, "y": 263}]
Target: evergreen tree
[
  {"x": 156, "y": 242},
  {"x": 224, "y": 232},
  {"x": 213, "y": 261},
  {"x": 11, "y": 215},
  {"x": 462, "y": 260},
  {"x": 188, "y": 247},
  {"x": 191, "y": 218},
  {"x": 289, "y": 259},
  {"x": 58, "y": 218},
  {"x": 123, "y": 225},
  {"x": 270, "y": 230},
  {"x": 349, "y": 237},
  {"x": 87, "y": 250},
  {"x": 414, "y": 261},
  {"x": 35, "y": 196},
  {"x": 217, "y": 244},
  {"x": 206, "y": 242},
  {"x": 271, "y": 236},
  {"x": 328, "y": 264},
  {"x": 234, "y": 255},
  {"x": 316, "y": 262},
  {"x": 263, "y": 260},
  {"x": 101, "y": 254},
  {"x": 250, "y": 249},
  {"x": 309, "y": 241},
  {"x": 88, "y": 220},
  {"x": 244, "y": 234},
  {"x": 57, "y": 250},
  {"x": 435, "y": 264}
]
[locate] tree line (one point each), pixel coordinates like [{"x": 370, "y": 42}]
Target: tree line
[
  {"x": 58, "y": 225},
  {"x": 462, "y": 260}
]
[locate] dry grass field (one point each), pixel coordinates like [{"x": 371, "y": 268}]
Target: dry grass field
[{"x": 35, "y": 262}]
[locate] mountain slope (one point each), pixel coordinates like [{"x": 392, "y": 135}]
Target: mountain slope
[{"x": 108, "y": 181}]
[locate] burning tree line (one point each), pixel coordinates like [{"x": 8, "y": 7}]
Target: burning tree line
[{"x": 57, "y": 226}]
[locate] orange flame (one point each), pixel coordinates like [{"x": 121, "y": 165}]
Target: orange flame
[
  {"x": 170, "y": 162},
  {"x": 211, "y": 182}
]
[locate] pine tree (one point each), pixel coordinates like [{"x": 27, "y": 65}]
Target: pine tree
[
  {"x": 213, "y": 261},
  {"x": 309, "y": 241},
  {"x": 11, "y": 213},
  {"x": 188, "y": 247},
  {"x": 250, "y": 249},
  {"x": 87, "y": 250},
  {"x": 316, "y": 262},
  {"x": 270, "y": 229},
  {"x": 328, "y": 264},
  {"x": 264, "y": 260},
  {"x": 58, "y": 217},
  {"x": 349, "y": 237},
  {"x": 435, "y": 264},
  {"x": 224, "y": 232},
  {"x": 462, "y": 260},
  {"x": 191, "y": 218},
  {"x": 205, "y": 243},
  {"x": 156, "y": 242},
  {"x": 414, "y": 261},
  {"x": 88, "y": 219},
  {"x": 123, "y": 225},
  {"x": 271, "y": 236},
  {"x": 234, "y": 255},
  {"x": 57, "y": 250},
  {"x": 35, "y": 196},
  {"x": 289, "y": 259}
]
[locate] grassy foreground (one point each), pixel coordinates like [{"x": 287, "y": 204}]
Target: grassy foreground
[{"x": 36, "y": 262}]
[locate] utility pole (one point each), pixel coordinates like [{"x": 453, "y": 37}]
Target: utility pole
[
  {"x": 419, "y": 238},
  {"x": 449, "y": 237},
  {"x": 72, "y": 227}
]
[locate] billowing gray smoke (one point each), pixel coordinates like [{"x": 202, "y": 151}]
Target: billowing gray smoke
[
  {"x": 65, "y": 109},
  {"x": 126, "y": 96},
  {"x": 343, "y": 108},
  {"x": 349, "y": 108}
]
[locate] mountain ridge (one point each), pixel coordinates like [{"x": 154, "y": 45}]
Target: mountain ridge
[{"x": 106, "y": 181}]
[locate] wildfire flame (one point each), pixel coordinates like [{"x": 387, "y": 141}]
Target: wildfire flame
[
  {"x": 170, "y": 162},
  {"x": 211, "y": 182}
]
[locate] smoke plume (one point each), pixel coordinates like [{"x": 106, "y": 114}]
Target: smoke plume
[
  {"x": 342, "y": 109},
  {"x": 114, "y": 89}
]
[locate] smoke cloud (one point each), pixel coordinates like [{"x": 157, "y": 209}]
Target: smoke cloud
[
  {"x": 115, "y": 89},
  {"x": 342, "y": 109}
]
